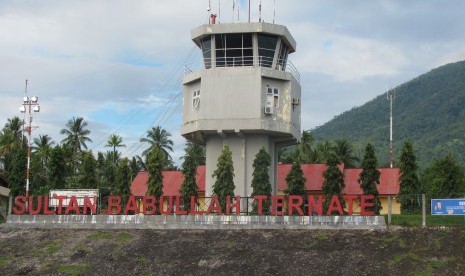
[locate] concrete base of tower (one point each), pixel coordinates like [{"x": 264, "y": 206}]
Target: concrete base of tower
[{"x": 244, "y": 147}]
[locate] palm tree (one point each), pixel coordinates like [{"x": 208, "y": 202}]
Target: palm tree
[
  {"x": 42, "y": 147},
  {"x": 115, "y": 156},
  {"x": 76, "y": 134},
  {"x": 11, "y": 138},
  {"x": 8, "y": 143},
  {"x": 302, "y": 153},
  {"x": 115, "y": 141},
  {"x": 158, "y": 137},
  {"x": 344, "y": 152},
  {"x": 14, "y": 124},
  {"x": 306, "y": 154},
  {"x": 76, "y": 137},
  {"x": 196, "y": 152},
  {"x": 324, "y": 151},
  {"x": 141, "y": 163}
]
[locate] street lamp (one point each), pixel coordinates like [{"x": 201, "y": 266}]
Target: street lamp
[{"x": 29, "y": 107}]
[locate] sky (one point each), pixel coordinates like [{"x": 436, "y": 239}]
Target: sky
[{"x": 119, "y": 63}]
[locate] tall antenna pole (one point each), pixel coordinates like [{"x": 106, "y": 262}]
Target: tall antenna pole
[
  {"x": 249, "y": 11},
  {"x": 260, "y": 11},
  {"x": 234, "y": 5},
  {"x": 30, "y": 106},
  {"x": 390, "y": 97},
  {"x": 274, "y": 10}
]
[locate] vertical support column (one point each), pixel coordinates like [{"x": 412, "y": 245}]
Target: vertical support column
[
  {"x": 10, "y": 206},
  {"x": 423, "y": 209},
  {"x": 389, "y": 209}
]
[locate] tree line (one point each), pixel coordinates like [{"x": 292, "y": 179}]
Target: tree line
[{"x": 71, "y": 165}]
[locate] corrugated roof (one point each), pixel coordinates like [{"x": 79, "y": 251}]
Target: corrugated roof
[
  {"x": 172, "y": 181},
  {"x": 388, "y": 181},
  {"x": 313, "y": 173}
]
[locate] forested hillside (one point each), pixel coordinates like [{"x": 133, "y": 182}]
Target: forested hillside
[{"x": 429, "y": 110}]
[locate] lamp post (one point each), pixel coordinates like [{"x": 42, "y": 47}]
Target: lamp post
[
  {"x": 29, "y": 107},
  {"x": 390, "y": 97}
]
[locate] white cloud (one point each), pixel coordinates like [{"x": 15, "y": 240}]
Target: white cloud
[{"x": 119, "y": 64}]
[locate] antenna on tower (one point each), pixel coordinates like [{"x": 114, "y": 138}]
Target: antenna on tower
[
  {"x": 260, "y": 11},
  {"x": 209, "y": 8},
  {"x": 249, "y": 11},
  {"x": 234, "y": 6},
  {"x": 274, "y": 10},
  {"x": 390, "y": 94},
  {"x": 219, "y": 11},
  {"x": 238, "y": 9}
]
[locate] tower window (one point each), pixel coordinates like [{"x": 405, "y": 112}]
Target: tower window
[
  {"x": 206, "y": 50},
  {"x": 195, "y": 99},
  {"x": 272, "y": 96},
  {"x": 266, "y": 49},
  {"x": 282, "y": 58},
  {"x": 234, "y": 50}
]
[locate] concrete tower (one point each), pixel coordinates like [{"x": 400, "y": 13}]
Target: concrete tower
[{"x": 247, "y": 96}]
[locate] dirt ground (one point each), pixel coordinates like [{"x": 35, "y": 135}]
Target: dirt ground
[{"x": 398, "y": 251}]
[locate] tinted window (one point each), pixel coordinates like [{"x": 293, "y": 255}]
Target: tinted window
[
  {"x": 266, "y": 49},
  {"x": 206, "y": 50}
]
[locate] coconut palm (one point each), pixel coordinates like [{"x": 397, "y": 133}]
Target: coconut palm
[
  {"x": 76, "y": 137},
  {"x": 306, "y": 153},
  {"x": 42, "y": 147},
  {"x": 11, "y": 138},
  {"x": 158, "y": 137},
  {"x": 76, "y": 134},
  {"x": 324, "y": 151},
  {"x": 14, "y": 124},
  {"x": 115, "y": 141},
  {"x": 344, "y": 152},
  {"x": 196, "y": 152},
  {"x": 8, "y": 143}
]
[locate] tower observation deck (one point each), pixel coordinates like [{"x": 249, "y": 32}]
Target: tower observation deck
[{"x": 246, "y": 95}]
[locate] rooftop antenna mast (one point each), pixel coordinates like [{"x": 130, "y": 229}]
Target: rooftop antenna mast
[
  {"x": 238, "y": 9},
  {"x": 274, "y": 10},
  {"x": 249, "y": 11},
  {"x": 390, "y": 97},
  {"x": 209, "y": 8},
  {"x": 233, "y": 8},
  {"x": 260, "y": 11}
]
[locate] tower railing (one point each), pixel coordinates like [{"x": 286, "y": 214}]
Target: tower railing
[{"x": 246, "y": 61}]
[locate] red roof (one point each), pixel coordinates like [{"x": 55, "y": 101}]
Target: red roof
[
  {"x": 313, "y": 173},
  {"x": 172, "y": 181},
  {"x": 388, "y": 181}
]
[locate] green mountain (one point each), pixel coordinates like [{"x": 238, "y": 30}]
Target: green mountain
[{"x": 429, "y": 110}]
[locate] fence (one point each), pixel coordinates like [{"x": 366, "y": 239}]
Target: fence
[{"x": 416, "y": 211}]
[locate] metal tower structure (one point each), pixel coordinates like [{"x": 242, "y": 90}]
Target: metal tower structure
[{"x": 29, "y": 107}]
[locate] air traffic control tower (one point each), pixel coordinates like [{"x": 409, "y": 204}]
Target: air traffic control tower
[{"x": 246, "y": 95}]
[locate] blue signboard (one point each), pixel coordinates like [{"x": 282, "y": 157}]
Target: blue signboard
[{"x": 454, "y": 206}]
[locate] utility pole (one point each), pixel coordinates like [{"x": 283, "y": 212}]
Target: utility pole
[
  {"x": 390, "y": 97},
  {"x": 29, "y": 107}
]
